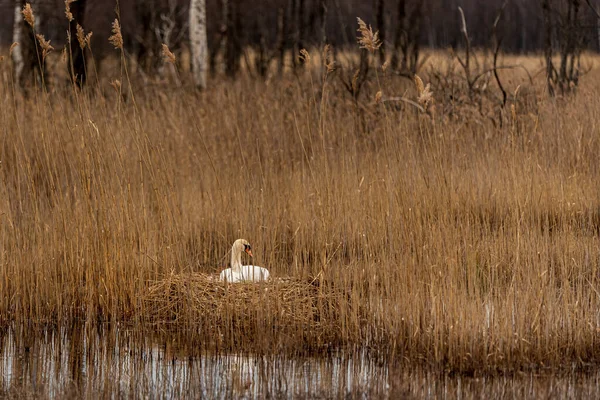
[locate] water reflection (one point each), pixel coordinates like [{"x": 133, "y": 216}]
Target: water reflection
[{"x": 115, "y": 363}]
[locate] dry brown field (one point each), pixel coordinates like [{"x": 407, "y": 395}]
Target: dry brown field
[{"x": 465, "y": 238}]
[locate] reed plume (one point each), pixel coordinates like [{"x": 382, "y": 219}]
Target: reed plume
[
  {"x": 45, "y": 45},
  {"x": 168, "y": 56},
  {"x": 68, "y": 13},
  {"x": 367, "y": 39},
  {"x": 116, "y": 39},
  {"x": 28, "y": 15}
]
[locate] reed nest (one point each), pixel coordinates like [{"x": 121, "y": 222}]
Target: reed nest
[{"x": 307, "y": 310}]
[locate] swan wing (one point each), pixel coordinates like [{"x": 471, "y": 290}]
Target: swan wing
[
  {"x": 230, "y": 276},
  {"x": 253, "y": 273}
]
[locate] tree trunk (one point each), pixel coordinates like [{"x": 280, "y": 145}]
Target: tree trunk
[
  {"x": 76, "y": 52},
  {"x": 28, "y": 65},
  {"x": 301, "y": 25},
  {"x": 18, "y": 55},
  {"x": 295, "y": 29},
  {"x": 548, "y": 46},
  {"x": 400, "y": 39},
  {"x": 234, "y": 47},
  {"x": 198, "y": 42},
  {"x": 323, "y": 18},
  {"x": 414, "y": 37},
  {"x": 379, "y": 10},
  {"x": 598, "y": 32},
  {"x": 281, "y": 36},
  {"x": 147, "y": 44},
  {"x": 220, "y": 48}
]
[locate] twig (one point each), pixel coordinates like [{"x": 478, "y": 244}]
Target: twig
[
  {"x": 504, "y": 67},
  {"x": 498, "y": 43},
  {"x": 408, "y": 101},
  {"x": 465, "y": 64},
  {"x": 589, "y": 3}
]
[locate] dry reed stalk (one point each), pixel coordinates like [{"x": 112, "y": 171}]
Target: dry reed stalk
[
  {"x": 305, "y": 56},
  {"x": 116, "y": 39},
  {"x": 471, "y": 246},
  {"x": 424, "y": 93},
  {"x": 44, "y": 45},
  {"x": 168, "y": 56},
  {"x": 28, "y": 15},
  {"x": 367, "y": 39},
  {"x": 68, "y": 13},
  {"x": 82, "y": 38}
]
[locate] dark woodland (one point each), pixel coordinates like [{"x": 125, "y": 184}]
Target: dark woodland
[{"x": 312, "y": 21}]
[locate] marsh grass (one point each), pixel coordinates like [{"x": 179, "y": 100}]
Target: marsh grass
[
  {"x": 248, "y": 315},
  {"x": 449, "y": 242}
]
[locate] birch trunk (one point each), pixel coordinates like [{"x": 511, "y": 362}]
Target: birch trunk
[
  {"x": 198, "y": 42},
  {"x": 27, "y": 65},
  {"x": 17, "y": 53}
]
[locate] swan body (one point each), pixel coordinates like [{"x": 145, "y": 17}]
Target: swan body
[
  {"x": 247, "y": 273},
  {"x": 243, "y": 273}
]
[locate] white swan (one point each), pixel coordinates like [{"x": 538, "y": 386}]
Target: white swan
[{"x": 239, "y": 272}]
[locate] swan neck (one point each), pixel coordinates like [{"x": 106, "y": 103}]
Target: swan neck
[{"x": 236, "y": 259}]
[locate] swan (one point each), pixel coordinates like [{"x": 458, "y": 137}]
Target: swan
[{"x": 239, "y": 272}]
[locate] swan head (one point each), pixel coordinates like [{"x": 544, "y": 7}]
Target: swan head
[{"x": 242, "y": 245}]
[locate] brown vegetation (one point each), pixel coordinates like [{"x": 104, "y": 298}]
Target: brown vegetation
[{"x": 438, "y": 238}]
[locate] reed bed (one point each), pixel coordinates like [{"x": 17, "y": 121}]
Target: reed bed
[{"x": 454, "y": 242}]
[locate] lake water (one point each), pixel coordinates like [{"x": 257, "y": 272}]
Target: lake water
[{"x": 121, "y": 363}]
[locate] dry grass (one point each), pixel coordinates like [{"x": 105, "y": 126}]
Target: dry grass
[
  {"x": 446, "y": 241},
  {"x": 303, "y": 312}
]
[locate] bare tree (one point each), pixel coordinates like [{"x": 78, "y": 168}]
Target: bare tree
[
  {"x": 301, "y": 24},
  {"x": 220, "y": 49},
  {"x": 548, "y": 46},
  {"x": 407, "y": 40},
  {"x": 569, "y": 33},
  {"x": 597, "y": 15},
  {"x": 28, "y": 63},
  {"x": 281, "y": 36},
  {"x": 234, "y": 45},
  {"x": 380, "y": 17},
  {"x": 401, "y": 37},
  {"x": 198, "y": 42},
  {"x": 298, "y": 28},
  {"x": 18, "y": 49},
  {"x": 323, "y": 18},
  {"x": 263, "y": 54},
  {"x": 76, "y": 52}
]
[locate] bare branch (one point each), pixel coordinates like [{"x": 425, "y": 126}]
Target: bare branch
[
  {"x": 463, "y": 28},
  {"x": 466, "y": 63},
  {"x": 405, "y": 100},
  {"x": 589, "y": 3},
  {"x": 498, "y": 43}
]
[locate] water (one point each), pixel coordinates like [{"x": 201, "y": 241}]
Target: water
[{"x": 120, "y": 363}]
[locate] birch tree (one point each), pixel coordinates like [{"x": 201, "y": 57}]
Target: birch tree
[
  {"x": 198, "y": 42},
  {"x": 27, "y": 63},
  {"x": 17, "y": 51}
]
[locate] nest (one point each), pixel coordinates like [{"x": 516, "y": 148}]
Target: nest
[{"x": 292, "y": 306}]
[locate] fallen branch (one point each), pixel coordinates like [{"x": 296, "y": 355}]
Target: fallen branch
[{"x": 400, "y": 98}]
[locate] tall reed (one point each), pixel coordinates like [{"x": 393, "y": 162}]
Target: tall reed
[{"x": 451, "y": 242}]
